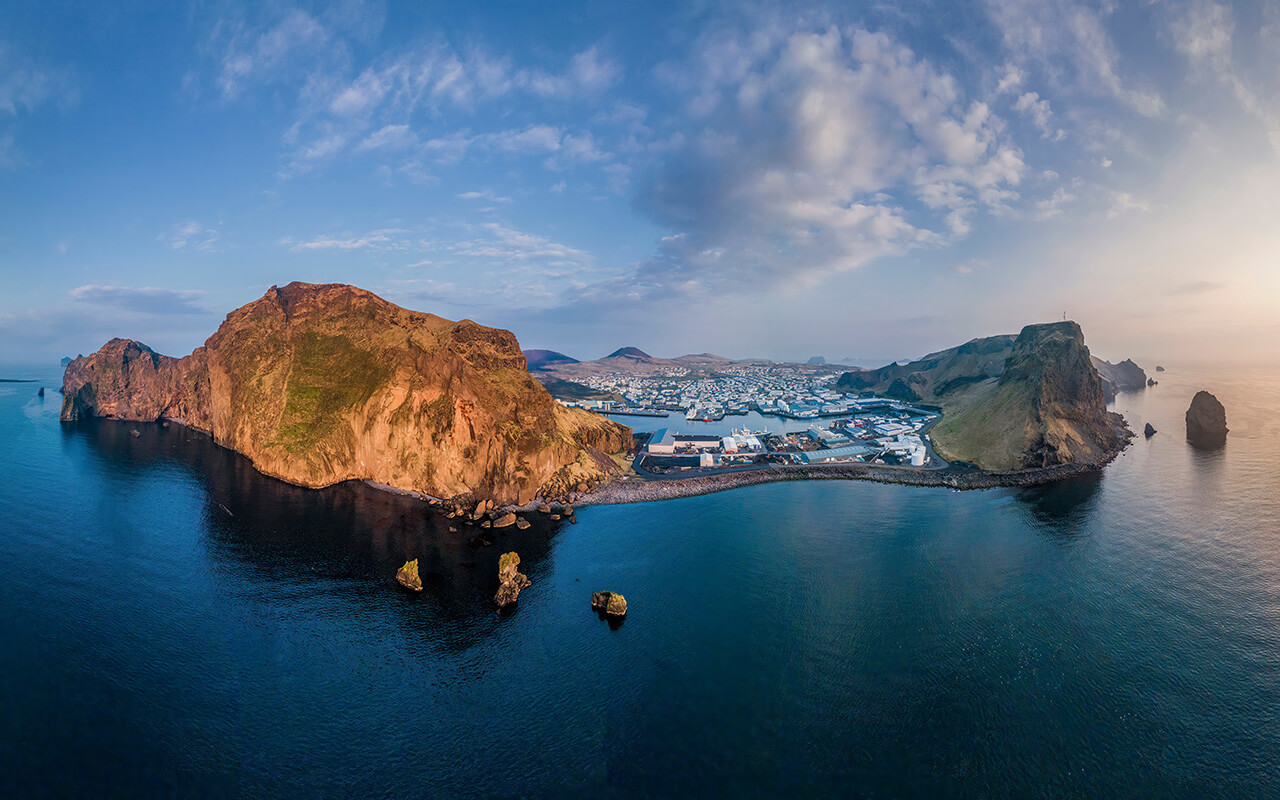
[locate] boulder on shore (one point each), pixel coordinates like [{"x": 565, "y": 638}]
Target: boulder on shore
[
  {"x": 609, "y": 603},
  {"x": 510, "y": 582},
  {"x": 1148, "y": 431},
  {"x": 505, "y": 521},
  {"x": 522, "y": 523},
  {"x": 407, "y": 576},
  {"x": 1206, "y": 420}
]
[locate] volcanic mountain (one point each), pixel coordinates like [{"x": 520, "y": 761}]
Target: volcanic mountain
[
  {"x": 318, "y": 384},
  {"x": 537, "y": 359},
  {"x": 630, "y": 352}
]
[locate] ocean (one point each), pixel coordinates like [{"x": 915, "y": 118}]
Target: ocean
[{"x": 174, "y": 623}]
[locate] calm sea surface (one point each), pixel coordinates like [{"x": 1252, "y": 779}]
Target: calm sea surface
[{"x": 171, "y": 622}]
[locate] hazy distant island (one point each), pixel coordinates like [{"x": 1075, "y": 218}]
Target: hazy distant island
[{"x": 318, "y": 384}]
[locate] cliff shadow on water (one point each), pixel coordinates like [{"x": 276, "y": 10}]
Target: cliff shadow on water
[
  {"x": 1064, "y": 508},
  {"x": 347, "y": 540}
]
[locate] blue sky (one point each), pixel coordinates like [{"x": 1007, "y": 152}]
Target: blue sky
[{"x": 853, "y": 180}]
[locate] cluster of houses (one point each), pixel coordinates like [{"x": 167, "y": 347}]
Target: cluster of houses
[
  {"x": 877, "y": 438},
  {"x": 785, "y": 390}
]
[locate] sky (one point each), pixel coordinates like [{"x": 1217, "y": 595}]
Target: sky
[{"x": 862, "y": 181}]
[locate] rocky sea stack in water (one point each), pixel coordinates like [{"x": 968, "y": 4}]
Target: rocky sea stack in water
[
  {"x": 319, "y": 384},
  {"x": 407, "y": 576},
  {"x": 510, "y": 581},
  {"x": 1025, "y": 402},
  {"x": 1206, "y": 421},
  {"x": 610, "y": 604}
]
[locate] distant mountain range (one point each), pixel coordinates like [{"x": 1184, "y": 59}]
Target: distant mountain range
[{"x": 633, "y": 359}]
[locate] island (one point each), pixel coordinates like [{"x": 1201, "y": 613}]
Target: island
[{"x": 318, "y": 384}]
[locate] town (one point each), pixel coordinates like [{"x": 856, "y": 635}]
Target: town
[
  {"x": 865, "y": 428},
  {"x": 779, "y": 389}
]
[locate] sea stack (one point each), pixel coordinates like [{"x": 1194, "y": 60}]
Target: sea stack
[
  {"x": 1148, "y": 431},
  {"x": 610, "y": 604},
  {"x": 41, "y": 392},
  {"x": 407, "y": 576},
  {"x": 1206, "y": 420},
  {"x": 510, "y": 582}
]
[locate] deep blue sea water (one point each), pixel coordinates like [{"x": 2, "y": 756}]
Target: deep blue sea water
[{"x": 172, "y": 622}]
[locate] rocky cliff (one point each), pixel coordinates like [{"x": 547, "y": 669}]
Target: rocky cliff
[
  {"x": 1031, "y": 401},
  {"x": 937, "y": 375},
  {"x": 318, "y": 384},
  {"x": 1123, "y": 377}
]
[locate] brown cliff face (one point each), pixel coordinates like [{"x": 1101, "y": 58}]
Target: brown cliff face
[
  {"x": 324, "y": 383},
  {"x": 1025, "y": 402},
  {"x": 1067, "y": 421}
]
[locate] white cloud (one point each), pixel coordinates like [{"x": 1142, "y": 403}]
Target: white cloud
[
  {"x": 1123, "y": 202},
  {"x": 1052, "y": 206},
  {"x": 9, "y": 155},
  {"x": 389, "y": 137},
  {"x": 1010, "y": 80},
  {"x": 1203, "y": 31},
  {"x": 802, "y": 141},
  {"x": 588, "y": 73},
  {"x": 501, "y": 243},
  {"x": 146, "y": 299},
  {"x": 26, "y": 85},
  {"x": 383, "y": 239},
  {"x": 486, "y": 195},
  {"x": 1070, "y": 34},
  {"x": 191, "y": 234},
  {"x": 262, "y": 55},
  {"x": 1040, "y": 113}
]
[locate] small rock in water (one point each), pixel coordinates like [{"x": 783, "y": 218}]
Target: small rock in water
[
  {"x": 510, "y": 582},
  {"x": 41, "y": 392},
  {"x": 408, "y": 576},
  {"x": 135, "y": 433},
  {"x": 1148, "y": 431},
  {"x": 609, "y": 603},
  {"x": 506, "y": 520},
  {"x": 522, "y": 523}
]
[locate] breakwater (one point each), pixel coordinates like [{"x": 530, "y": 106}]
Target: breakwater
[{"x": 641, "y": 491}]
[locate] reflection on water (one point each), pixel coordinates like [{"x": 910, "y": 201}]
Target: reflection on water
[
  {"x": 1064, "y": 508},
  {"x": 348, "y": 537}
]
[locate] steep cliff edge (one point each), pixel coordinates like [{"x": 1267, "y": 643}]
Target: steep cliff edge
[
  {"x": 1033, "y": 401},
  {"x": 318, "y": 384}
]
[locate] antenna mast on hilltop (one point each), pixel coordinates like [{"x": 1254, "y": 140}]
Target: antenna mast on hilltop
[{"x": 1064, "y": 316}]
